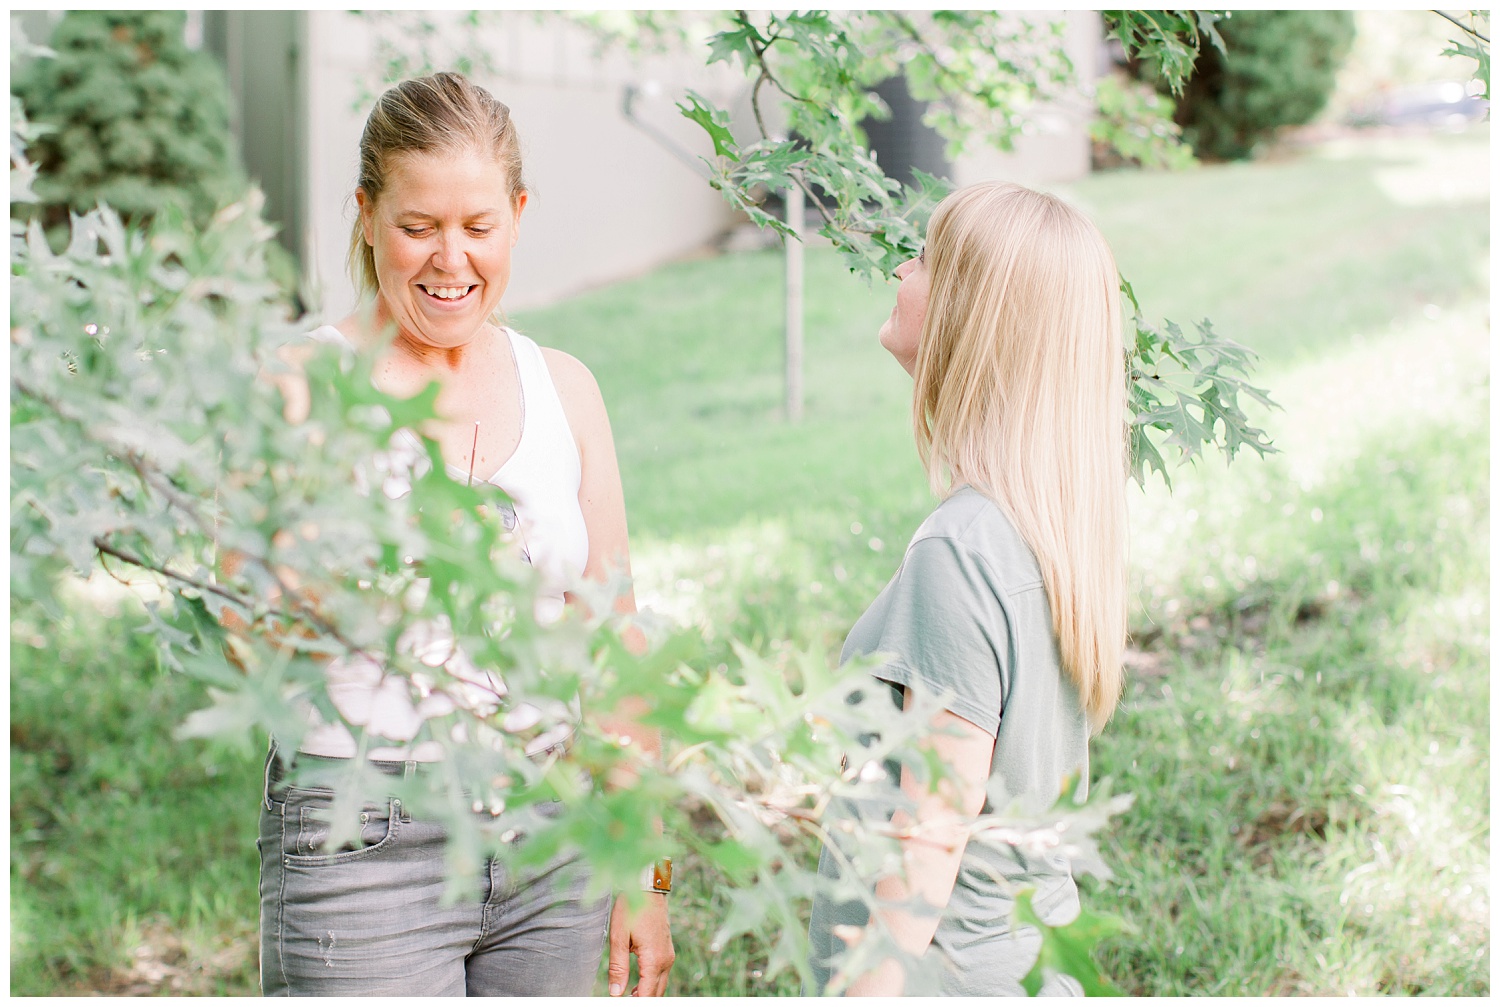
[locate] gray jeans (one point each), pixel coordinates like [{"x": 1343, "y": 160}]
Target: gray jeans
[{"x": 370, "y": 920}]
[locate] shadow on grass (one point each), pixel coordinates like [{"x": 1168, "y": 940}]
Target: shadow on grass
[{"x": 1310, "y": 758}]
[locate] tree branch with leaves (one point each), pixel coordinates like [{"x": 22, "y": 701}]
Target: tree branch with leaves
[
  {"x": 983, "y": 73},
  {"x": 146, "y": 439},
  {"x": 1473, "y": 43}
]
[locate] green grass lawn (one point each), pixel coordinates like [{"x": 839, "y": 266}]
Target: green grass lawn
[
  {"x": 1306, "y": 729},
  {"x": 132, "y": 856}
]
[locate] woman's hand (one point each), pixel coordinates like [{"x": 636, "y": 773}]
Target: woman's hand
[{"x": 647, "y": 935}]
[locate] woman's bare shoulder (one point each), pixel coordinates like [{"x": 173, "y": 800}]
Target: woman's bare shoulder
[
  {"x": 294, "y": 354},
  {"x": 572, "y": 377},
  {"x": 353, "y": 329},
  {"x": 298, "y": 350},
  {"x": 581, "y": 399}
]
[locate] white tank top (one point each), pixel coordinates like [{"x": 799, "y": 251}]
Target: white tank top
[{"x": 542, "y": 476}]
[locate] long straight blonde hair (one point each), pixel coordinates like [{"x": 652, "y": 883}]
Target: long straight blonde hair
[{"x": 1020, "y": 393}]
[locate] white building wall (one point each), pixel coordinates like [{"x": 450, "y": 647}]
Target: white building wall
[{"x": 1058, "y": 149}]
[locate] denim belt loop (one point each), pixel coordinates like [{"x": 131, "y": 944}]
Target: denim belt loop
[
  {"x": 271, "y": 755},
  {"x": 409, "y": 770}
]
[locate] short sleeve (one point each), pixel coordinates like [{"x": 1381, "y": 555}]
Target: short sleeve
[{"x": 947, "y": 629}]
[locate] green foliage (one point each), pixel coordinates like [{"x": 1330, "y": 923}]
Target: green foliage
[
  {"x": 1135, "y": 125},
  {"x": 1473, "y": 43},
  {"x": 983, "y": 72},
  {"x": 134, "y": 118},
  {"x": 1067, "y": 949},
  {"x": 1168, "y": 41},
  {"x": 22, "y": 131},
  {"x": 1276, "y": 68},
  {"x": 147, "y": 438},
  {"x": 1187, "y": 389}
]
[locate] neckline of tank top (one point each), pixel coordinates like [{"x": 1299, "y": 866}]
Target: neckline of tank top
[{"x": 511, "y": 336}]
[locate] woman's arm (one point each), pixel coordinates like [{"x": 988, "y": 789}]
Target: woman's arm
[
  {"x": 931, "y": 856},
  {"x": 646, "y": 934},
  {"x": 602, "y": 500},
  {"x": 600, "y": 494}
]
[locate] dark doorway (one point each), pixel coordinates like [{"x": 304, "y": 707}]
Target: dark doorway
[
  {"x": 903, "y": 142},
  {"x": 261, "y": 52}
]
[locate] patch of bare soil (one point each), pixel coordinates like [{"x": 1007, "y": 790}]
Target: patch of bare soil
[
  {"x": 162, "y": 964},
  {"x": 1154, "y": 650},
  {"x": 1286, "y": 818}
]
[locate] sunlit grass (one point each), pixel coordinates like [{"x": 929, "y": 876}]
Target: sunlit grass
[{"x": 1313, "y": 768}]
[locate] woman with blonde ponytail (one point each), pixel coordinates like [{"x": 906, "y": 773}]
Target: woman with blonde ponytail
[
  {"x": 1011, "y": 597},
  {"x": 440, "y": 191}
]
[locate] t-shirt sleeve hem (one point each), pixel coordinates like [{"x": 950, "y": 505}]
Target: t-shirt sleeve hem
[{"x": 899, "y": 674}]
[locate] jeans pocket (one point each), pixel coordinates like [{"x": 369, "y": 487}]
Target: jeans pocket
[{"x": 307, "y": 825}]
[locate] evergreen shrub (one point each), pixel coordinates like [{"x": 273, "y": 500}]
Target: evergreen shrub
[
  {"x": 134, "y": 118},
  {"x": 1279, "y": 71}
]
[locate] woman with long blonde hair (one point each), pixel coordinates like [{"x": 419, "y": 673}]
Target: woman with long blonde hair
[{"x": 1011, "y": 596}]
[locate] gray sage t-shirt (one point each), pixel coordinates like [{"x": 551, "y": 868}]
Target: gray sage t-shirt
[{"x": 967, "y": 614}]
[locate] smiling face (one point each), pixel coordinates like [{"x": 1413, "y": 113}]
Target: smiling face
[
  {"x": 903, "y": 330},
  {"x": 441, "y": 232}
]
